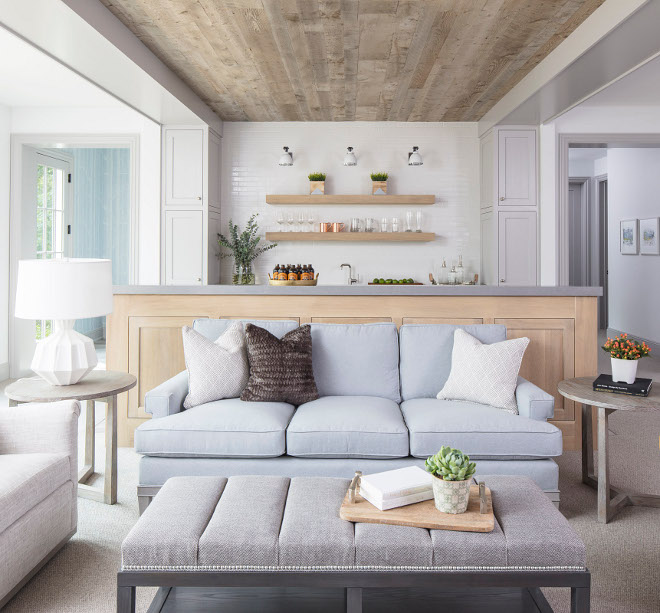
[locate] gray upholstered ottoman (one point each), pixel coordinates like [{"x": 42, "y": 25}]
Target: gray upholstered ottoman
[{"x": 275, "y": 531}]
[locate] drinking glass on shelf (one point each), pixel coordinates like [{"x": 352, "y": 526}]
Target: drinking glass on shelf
[
  {"x": 311, "y": 218},
  {"x": 280, "y": 220},
  {"x": 395, "y": 224},
  {"x": 418, "y": 218},
  {"x": 301, "y": 221},
  {"x": 383, "y": 224},
  {"x": 409, "y": 221},
  {"x": 290, "y": 220}
]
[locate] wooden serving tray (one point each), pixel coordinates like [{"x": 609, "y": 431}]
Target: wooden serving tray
[
  {"x": 309, "y": 282},
  {"x": 397, "y": 284},
  {"x": 423, "y": 514}
]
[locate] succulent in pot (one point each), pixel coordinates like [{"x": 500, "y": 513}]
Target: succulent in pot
[
  {"x": 379, "y": 183},
  {"x": 453, "y": 473},
  {"x": 316, "y": 183}
]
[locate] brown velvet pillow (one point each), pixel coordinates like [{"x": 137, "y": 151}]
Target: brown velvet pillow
[{"x": 280, "y": 369}]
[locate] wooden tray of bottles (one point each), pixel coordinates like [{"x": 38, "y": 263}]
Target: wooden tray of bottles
[
  {"x": 424, "y": 514},
  {"x": 307, "y": 282}
]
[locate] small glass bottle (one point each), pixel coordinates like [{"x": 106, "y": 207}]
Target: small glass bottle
[
  {"x": 293, "y": 275},
  {"x": 460, "y": 271},
  {"x": 452, "y": 275},
  {"x": 310, "y": 269},
  {"x": 443, "y": 277},
  {"x": 284, "y": 273},
  {"x": 276, "y": 272}
]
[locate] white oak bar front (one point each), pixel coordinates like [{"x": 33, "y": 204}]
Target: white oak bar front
[{"x": 144, "y": 331}]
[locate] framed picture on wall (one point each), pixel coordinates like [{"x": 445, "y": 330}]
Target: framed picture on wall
[
  {"x": 648, "y": 236},
  {"x": 629, "y": 238}
]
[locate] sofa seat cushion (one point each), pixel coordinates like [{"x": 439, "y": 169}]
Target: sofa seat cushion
[
  {"x": 227, "y": 428},
  {"x": 479, "y": 430},
  {"x": 26, "y": 479},
  {"x": 348, "y": 427}
]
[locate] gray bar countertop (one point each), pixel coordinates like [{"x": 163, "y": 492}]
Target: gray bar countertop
[{"x": 359, "y": 290}]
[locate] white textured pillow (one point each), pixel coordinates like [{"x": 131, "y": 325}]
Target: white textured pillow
[
  {"x": 216, "y": 370},
  {"x": 486, "y": 374}
]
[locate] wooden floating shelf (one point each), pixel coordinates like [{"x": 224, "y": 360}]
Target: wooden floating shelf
[
  {"x": 417, "y": 199},
  {"x": 394, "y": 237}
]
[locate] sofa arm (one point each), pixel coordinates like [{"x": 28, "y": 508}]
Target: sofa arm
[
  {"x": 168, "y": 397},
  {"x": 533, "y": 402},
  {"x": 40, "y": 428}
]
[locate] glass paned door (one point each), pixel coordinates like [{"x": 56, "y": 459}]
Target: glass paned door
[{"x": 52, "y": 213}]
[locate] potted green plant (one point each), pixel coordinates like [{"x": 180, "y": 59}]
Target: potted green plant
[
  {"x": 378, "y": 183},
  {"x": 624, "y": 354},
  {"x": 316, "y": 183},
  {"x": 453, "y": 473},
  {"x": 244, "y": 248}
]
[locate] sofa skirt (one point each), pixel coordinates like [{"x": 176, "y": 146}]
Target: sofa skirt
[{"x": 154, "y": 471}]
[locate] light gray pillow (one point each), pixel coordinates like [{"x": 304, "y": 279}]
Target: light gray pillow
[
  {"x": 487, "y": 374},
  {"x": 216, "y": 369}
]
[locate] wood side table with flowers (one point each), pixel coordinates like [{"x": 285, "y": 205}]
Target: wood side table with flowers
[{"x": 581, "y": 390}]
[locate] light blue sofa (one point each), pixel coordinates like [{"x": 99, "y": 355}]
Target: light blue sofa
[{"x": 377, "y": 411}]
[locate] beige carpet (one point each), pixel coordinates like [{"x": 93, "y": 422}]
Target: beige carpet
[{"x": 624, "y": 556}]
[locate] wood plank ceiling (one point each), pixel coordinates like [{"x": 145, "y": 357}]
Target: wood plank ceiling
[{"x": 344, "y": 60}]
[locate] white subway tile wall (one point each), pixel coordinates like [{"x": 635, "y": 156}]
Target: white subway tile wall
[{"x": 450, "y": 151}]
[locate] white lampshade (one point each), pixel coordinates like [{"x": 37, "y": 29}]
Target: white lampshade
[
  {"x": 286, "y": 159},
  {"x": 349, "y": 158},
  {"x": 67, "y": 288},
  {"x": 414, "y": 157}
]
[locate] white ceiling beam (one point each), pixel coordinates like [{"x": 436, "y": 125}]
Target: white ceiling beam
[
  {"x": 86, "y": 37},
  {"x": 616, "y": 38}
]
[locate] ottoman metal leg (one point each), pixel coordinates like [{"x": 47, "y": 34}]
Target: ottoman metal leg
[
  {"x": 353, "y": 599},
  {"x": 580, "y": 599},
  {"x": 125, "y": 599}
]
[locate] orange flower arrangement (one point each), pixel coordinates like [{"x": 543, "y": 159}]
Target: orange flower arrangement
[{"x": 622, "y": 348}]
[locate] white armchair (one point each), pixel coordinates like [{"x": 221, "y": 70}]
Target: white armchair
[{"x": 38, "y": 488}]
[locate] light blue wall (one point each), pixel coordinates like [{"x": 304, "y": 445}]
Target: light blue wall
[{"x": 101, "y": 225}]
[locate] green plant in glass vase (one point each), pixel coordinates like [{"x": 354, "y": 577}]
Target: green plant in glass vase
[{"x": 244, "y": 248}]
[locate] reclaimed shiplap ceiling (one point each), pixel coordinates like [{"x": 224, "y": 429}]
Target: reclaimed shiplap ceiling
[{"x": 344, "y": 60}]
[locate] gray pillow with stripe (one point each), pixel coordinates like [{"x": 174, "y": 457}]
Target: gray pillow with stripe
[{"x": 216, "y": 369}]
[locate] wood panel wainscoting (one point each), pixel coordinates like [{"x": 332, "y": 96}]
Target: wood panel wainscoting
[{"x": 144, "y": 334}]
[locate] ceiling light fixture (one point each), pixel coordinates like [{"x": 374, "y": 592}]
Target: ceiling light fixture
[
  {"x": 414, "y": 158},
  {"x": 286, "y": 159},
  {"x": 349, "y": 158}
]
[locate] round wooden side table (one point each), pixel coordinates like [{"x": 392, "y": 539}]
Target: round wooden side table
[
  {"x": 97, "y": 386},
  {"x": 581, "y": 390}
]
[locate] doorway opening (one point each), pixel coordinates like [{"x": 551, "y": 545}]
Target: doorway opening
[{"x": 73, "y": 197}]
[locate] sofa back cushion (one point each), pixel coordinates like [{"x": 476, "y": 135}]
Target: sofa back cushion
[
  {"x": 213, "y": 328},
  {"x": 356, "y": 360},
  {"x": 426, "y": 354}
]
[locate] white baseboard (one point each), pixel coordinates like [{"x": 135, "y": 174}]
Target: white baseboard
[
  {"x": 4, "y": 371},
  {"x": 655, "y": 347}
]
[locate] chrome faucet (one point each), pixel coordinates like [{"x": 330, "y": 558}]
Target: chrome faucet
[{"x": 351, "y": 280}]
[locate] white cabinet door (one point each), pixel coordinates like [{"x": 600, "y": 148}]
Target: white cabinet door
[
  {"x": 517, "y": 248},
  {"x": 183, "y": 247},
  {"x": 184, "y": 174},
  {"x": 517, "y": 168}
]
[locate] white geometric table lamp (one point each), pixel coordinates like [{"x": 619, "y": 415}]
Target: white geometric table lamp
[{"x": 64, "y": 290}]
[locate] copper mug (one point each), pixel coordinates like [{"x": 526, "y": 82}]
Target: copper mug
[
  {"x": 337, "y": 226},
  {"x": 325, "y": 226}
]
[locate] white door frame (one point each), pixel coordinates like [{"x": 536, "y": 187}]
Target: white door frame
[
  {"x": 585, "y": 197},
  {"x": 607, "y": 140},
  {"x": 22, "y": 143}
]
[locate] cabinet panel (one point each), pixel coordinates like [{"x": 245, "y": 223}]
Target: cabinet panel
[
  {"x": 488, "y": 249},
  {"x": 517, "y": 248},
  {"x": 184, "y": 174},
  {"x": 215, "y": 162},
  {"x": 517, "y": 167},
  {"x": 549, "y": 358},
  {"x": 183, "y": 248},
  {"x": 350, "y": 320},
  {"x": 148, "y": 337},
  {"x": 454, "y": 321}
]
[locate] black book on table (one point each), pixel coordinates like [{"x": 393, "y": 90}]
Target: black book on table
[{"x": 641, "y": 386}]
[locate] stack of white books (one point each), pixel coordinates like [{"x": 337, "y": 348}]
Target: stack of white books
[{"x": 397, "y": 488}]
